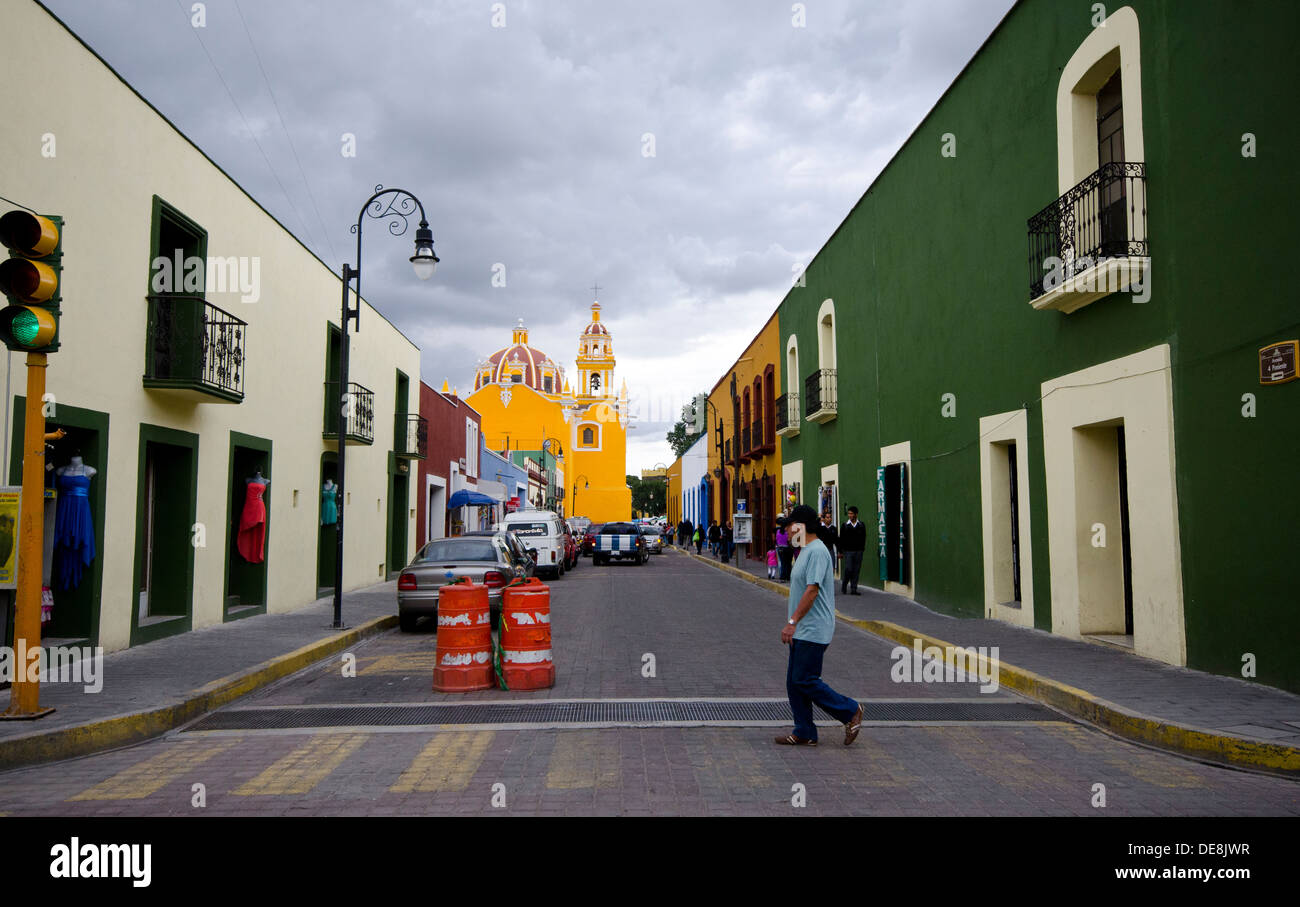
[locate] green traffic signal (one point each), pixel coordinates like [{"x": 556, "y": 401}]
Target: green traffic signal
[{"x": 30, "y": 279}]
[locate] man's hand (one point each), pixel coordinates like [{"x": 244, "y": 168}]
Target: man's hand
[{"x": 787, "y": 634}]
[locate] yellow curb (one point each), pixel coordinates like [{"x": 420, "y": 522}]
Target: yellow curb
[
  {"x": 120, "y": 730},
  {"x": 1190, "y": 741},
  {"x": 1199, "y": 743}
]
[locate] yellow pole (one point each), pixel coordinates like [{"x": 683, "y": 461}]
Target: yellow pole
[{"x": 24, "y": 695}]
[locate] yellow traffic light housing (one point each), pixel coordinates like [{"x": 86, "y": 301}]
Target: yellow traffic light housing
[{"x": 30, "y": 279}]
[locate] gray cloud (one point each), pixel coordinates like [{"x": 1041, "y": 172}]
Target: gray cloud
[{"x": 525, "y": 145}]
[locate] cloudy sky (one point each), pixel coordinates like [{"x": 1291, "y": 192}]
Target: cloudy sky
[{"x": 685, "y": 156}]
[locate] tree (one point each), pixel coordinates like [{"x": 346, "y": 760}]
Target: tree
[
  {"x": 649, "y": 496},
  {"x": 681, "y": 437}
]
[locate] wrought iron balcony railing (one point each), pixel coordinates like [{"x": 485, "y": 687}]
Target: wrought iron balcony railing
[
  {"x": 744, "y": 441},
  {"x": 194, "y": 347},
  {"x": 410, "y": 436},
  {"x": 756, "y": 437},
  {"x": 360, "y": 409},
  {"x": 1104, "y": 216},
  {"x": 787, "y": 414},
  {"x": 819, "y": 395}
]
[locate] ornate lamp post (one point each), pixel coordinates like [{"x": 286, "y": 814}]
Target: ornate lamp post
[{"x": 395, "y": 206}]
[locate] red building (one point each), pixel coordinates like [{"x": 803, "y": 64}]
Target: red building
[{"x": 453, "y": 464}]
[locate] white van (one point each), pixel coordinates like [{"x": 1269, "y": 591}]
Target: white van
[{"x": 544, "y": 531}]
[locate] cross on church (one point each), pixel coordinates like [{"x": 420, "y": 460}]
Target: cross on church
[{"x": 595, "y": 290}]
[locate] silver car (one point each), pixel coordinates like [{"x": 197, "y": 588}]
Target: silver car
[
  {"x": 654, "y": 542},
  {"x": 488, "y": 558}
]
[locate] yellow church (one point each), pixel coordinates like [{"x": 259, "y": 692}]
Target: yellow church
[{"x": 525, "y": 400}]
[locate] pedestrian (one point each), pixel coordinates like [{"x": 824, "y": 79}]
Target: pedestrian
[
  {"x": 830, "y": 536},
  {"x": 725, "y": 546},
  {"x": 809, "y": 626},
  {"x": 715, "y": 537},
  {"x": 699, "y": 540},
  {"x": 853, "y": 540},
  {"x": 771, "y": 562},
  {"x": 783, "y": 548}
]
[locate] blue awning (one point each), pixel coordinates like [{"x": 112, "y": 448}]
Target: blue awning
[{"x": 465, "y": 496}]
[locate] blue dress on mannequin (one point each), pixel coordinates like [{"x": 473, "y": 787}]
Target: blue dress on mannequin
[{"x": 74, "y": 529}]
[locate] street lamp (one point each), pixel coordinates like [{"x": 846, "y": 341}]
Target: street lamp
[
  {"x": 395, "y": 206},
  {"x": 585, "y": 484}
]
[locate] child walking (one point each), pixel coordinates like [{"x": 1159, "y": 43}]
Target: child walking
[{"x": 771, "y": 563}]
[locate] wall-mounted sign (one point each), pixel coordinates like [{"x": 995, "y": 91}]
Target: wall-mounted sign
[{"x": 1277, "y": 363}]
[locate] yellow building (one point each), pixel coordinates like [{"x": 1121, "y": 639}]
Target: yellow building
[
  {"x": 526, "y": 400},
  {"x": 750, "y": 464}
]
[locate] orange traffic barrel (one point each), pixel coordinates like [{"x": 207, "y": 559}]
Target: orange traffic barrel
[
  {"x": 526, "y": 660},
  {"x": 464, "y": 654}
]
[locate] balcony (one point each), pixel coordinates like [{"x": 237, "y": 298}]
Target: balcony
[
  {"x": 819, "y": 396},
  {"x": 1092, "y": 241},
  {"x": 194, "y": 350},
  {"x": 727, "y": 458},
  {"x": 787, "y": 415},
  {"x": 410, "y": 436},
  {"x": 764, "y": 442},
  {"x": 744, "y": 444},
  {"x": 360, "y": 407}
]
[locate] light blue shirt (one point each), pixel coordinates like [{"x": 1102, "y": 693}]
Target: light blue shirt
[{"x": 814, "y": 567}]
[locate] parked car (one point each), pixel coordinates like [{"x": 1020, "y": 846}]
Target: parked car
[
  {"x": 619, "y": 541},
  {"x": 654, "y": 542},
  {"x": 490, "y": 558},
  {"x": 543, "y": 530},
  {"x": 580, "y": 524},
  {"x": 589, "y": 538},
  {"x": 572, "y": 546}
]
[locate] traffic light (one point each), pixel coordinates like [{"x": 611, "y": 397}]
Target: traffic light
[{"x": 30, "y": 280}]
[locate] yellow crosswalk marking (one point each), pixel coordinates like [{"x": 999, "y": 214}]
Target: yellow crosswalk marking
[
  {"x": 151, "y": 775},
  {"x": 304, "y": 768},
  {"x": 412, "y": 663},
  {"x": 733, "y": 767},
  {"x": 584, "y": 759},
  {"x": 447, "y": 762}
]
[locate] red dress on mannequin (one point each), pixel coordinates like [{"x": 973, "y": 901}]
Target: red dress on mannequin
[{"x": 252, "y": 525}]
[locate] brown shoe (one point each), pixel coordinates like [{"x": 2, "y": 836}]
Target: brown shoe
[
  {"x": 852, "y": 726},
  {"x": 792, "y": 740}
]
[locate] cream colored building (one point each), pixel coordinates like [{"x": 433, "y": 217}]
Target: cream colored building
[{"x": 176, "y": 399}]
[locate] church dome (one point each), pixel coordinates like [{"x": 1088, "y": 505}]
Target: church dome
[{"x": 520, "y": 363}]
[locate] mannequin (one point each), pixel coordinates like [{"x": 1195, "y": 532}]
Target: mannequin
[
  {"x": 329, "y": 503},
  {"x": 251, "y": 541},
  {"x": 74, "y": 529}
]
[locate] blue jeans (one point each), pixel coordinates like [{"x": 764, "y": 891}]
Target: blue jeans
[{"x": 804, "y": 686}]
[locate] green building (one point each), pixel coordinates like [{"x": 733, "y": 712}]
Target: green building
[{"x": 1047, "y": 354}]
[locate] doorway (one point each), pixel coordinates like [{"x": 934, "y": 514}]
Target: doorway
[
  {"x": 327, "y": 541},
  {"x": 74, "y": 617},
  {"x": 246, "y": 580},
  {"x": 165, "y": 513},
  {"x": 1105, "y": 553},
  {"x": 398, "y": 520}
]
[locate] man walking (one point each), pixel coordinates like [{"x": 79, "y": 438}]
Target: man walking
[
  {"x": 853, "y": 539},
  {"x": 808, "y": 629},
  {"x": 830, "y": 536},
  {"x": 715, "y": 537}
]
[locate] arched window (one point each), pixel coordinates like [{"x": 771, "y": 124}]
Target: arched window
[
  {"x": 588, "y": 437},
  {"x": 595, "y": 382}
]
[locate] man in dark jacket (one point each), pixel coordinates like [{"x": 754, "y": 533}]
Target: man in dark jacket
[
  {"x": 715, "y": 537},
  {"x": 830, "y": 536},
  {"x": 685, "y": 529},
  {"x": 853, "y": 540}
]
